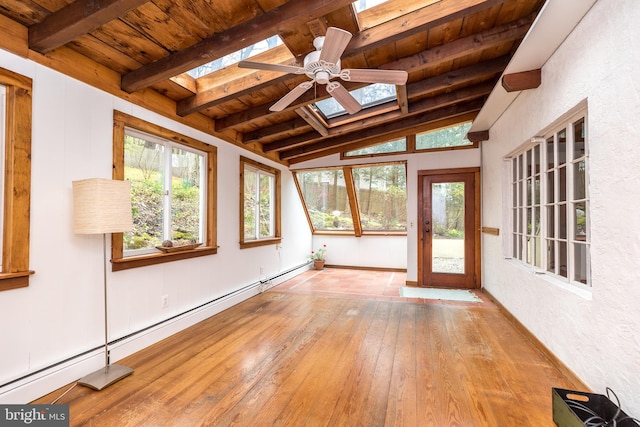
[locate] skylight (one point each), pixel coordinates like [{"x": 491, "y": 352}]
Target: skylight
[
  {"x": 366, "y": 4},
  {"x": 235, "y": 57},
  {"x": 368, "y": 96}
]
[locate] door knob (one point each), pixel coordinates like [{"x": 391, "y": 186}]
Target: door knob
[
  {"x": 426, "y": 222},
  {"x": 426, "y": 230}
]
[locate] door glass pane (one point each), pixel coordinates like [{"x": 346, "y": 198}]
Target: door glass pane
[{"x": 447, "y": 215}]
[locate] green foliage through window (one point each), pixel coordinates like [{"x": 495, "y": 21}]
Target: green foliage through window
[
  {"x": 453, "y": 136},
  {"x": 379, "y": 192},
  {"x": 166, "y": 192}
]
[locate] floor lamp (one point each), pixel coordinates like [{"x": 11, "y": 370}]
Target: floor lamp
[{"x": 102, "y": 206}]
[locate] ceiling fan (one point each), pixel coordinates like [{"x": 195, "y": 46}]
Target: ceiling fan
[{"x": 322, "y": 65}]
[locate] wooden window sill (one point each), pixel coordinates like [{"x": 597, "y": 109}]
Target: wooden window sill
[
  {"x": 15, "y": 280},
  {"x": 159, "y": 258}
]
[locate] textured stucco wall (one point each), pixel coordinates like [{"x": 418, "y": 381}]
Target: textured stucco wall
[{"x": 596, "y": 332}]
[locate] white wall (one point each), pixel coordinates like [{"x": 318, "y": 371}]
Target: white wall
[
  {"x": 389, "y": 251},
  {"x": 593, "y": 331},
  {"x": 60, "y": 314}
]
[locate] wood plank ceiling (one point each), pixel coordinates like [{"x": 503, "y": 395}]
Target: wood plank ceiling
[{"x": 453, "y": 50}]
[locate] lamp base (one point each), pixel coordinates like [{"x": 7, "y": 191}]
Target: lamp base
[{"x": 104, "y": 377}]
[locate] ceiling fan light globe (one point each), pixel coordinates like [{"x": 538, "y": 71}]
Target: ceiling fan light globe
[{"x": 322, "y": 77}]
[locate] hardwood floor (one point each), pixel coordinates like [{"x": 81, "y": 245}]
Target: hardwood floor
[{"x": 313, "y": 353}]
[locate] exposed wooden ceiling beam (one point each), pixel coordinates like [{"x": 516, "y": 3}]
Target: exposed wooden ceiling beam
[
  {"x": 280, "y": 130},
  {"x": 446, "y": 81},
  {"x": 478, "y": 136},
  {"x": 259, "y": 28},
  {"x": 404, "y": 124},
  {"x": 75, "y": 19},
  {"x": 522, "y": 81},
  {"x": 425, "y": 127},
  {"x": 353, "y": 130},
  {"x": 312, "y": 120}
]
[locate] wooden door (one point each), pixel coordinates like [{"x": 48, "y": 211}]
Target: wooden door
[{"x": 449, "y": 228}]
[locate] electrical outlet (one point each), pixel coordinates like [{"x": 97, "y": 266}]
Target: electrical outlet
[{"x": 164, "y": 301}]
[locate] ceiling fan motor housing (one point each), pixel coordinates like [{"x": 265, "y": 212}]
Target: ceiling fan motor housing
[{"x": 320, "y": 71}]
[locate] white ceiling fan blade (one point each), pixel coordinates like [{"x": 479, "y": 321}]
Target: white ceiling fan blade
[
  {"x": 271, "y": 67},
  {"x": 335, "y": 42},
  {"x": 344, "y": 98},
  {"x": 291, "y": 96},
  {"x": 392, "y": 77}
]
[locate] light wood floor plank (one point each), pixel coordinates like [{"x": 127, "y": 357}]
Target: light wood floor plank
[{"x": 333, "y": 348}]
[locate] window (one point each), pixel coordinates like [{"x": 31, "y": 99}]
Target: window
[
  {"x": 172, "y": 192},
  {"x": 390, "y": 147},
  {"x": 15, "y": 166},
  {"x": 550, "y": 203},
  {"x": 259, "y": 204},
  {"x": 449, "y": 137},
  {"x": 355, "y": 199}
]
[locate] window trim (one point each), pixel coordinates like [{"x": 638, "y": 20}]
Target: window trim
[
  {"x": 277, "y": 224},
  {"x": 17, "y": 181},
  {"x": 209, "y": 247}
]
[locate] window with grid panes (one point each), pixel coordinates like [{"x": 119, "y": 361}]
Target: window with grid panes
[{"x": 550, "y": 203}]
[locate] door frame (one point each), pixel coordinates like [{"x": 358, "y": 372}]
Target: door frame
[{"x": 476, "y": 222}]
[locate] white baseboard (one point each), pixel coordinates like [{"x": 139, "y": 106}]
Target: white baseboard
[{"x": 45, "y": 381}]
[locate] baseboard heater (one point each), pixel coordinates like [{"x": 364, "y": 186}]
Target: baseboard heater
[{"x": 65, "y": 368}]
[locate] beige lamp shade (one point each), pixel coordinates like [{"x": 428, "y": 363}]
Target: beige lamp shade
[{"x": 101, "y": 206}]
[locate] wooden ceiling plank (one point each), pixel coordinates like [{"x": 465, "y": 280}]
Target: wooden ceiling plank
[
  {"x": 247, "y": 33},
  {"x": 428, "y": 58},
  {"x": 276, "y": 130},
  {"x": 78, "y": 18}
]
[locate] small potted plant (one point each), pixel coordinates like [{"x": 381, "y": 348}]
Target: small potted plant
[{"x": 318, "y": 257}]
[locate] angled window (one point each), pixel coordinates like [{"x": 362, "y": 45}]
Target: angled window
[
  {"x": 260, "y": 204},
  {"x": 235, "y": 57},
  {"x": 324, "y": 193},
  {"x": 362, "y": 199},
  {"x": 446, "y": 138},
  {"x": 550, "y": 203},
  {"x": 15, "y": 166},
  {"x": 172, "y": 193}
]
